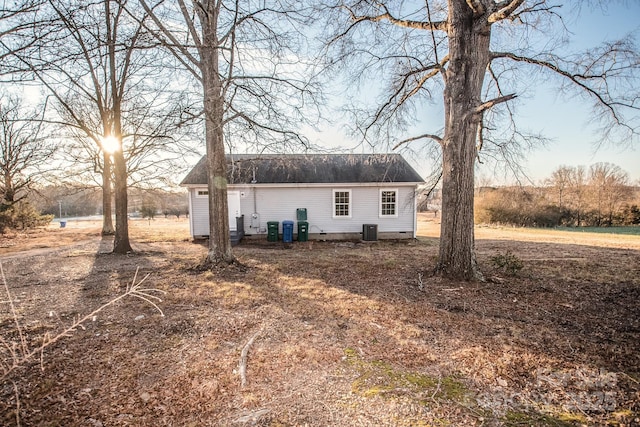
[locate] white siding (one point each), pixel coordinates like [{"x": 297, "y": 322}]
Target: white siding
[
  {"x": 199, "y": 215},
  {"x": 280, "y": 204}
]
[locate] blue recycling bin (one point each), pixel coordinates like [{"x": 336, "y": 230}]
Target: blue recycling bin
[{"x": 287, "y": 231}]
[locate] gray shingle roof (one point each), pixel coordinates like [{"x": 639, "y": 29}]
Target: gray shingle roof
[{"x": 310, "y": 168}]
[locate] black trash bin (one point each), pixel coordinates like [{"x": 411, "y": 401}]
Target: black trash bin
[{"x": 272, "y": 231}]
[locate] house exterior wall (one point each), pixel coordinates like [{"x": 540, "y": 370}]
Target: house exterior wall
[
  {"x": 198, "y": 213},
  {"x": 280, "y": 202}
]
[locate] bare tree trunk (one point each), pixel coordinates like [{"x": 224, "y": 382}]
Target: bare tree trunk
[
  {"x": 9, "y": 193},
  {"x": 469, "y": 55},
  {"x": 121, "y": 243},
  {"x": 219, "y": 238},
  {"x": 107, "y": 221}
]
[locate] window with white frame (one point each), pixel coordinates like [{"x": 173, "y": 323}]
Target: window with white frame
[
  {"x": 342, "y": 203},
  {"x": 202, "y": 193},
  {"x": 388, "y": 203}
]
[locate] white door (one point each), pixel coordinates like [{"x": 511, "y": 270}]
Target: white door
[{"x": 233, "y": 199}]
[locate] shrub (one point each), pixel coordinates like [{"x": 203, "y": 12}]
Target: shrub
[
  {"x": 26, "y": 216},
  {"x": 630, "y": 215},
  {"x": 520, "y": 207},
  {"x": 148, "y": 211},
  {"x": 22, "y": 216},
  {"x": 507, "y": 262}
]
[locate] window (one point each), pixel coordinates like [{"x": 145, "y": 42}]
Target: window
[
  {"x": 388, "y": 203},
  {"x": 342, "y": 203},
  {"x": 202, "y": 193}
]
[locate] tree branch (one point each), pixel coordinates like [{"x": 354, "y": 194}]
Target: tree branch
[
  {"x": 503, "y": 10},
  {"x": 417, "y": 25},
  {"x": 577, "y": 79},
  {"x": 436, "y": 138},
  {"x": 488, "y": 104}
]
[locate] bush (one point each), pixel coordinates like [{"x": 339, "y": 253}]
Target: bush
[
  {"x": 148, "y": 211},
  {"x": 519, "y": 207},
  {"x": 630, "y": 215},
  {"x": 508, "y": 262},
  {"x": 21, "y": 216}
]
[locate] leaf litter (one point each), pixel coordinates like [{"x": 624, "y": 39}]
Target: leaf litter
[{"x": 332, "y": 333}]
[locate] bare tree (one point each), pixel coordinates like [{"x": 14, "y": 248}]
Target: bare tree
[
  {"x": 253, "y": 87},
  {"x": 20, "y": 29},
  {"x": 579, "y": 192},
  {"x": 560, "y": 182},
  {"x": 472, "y": 52},
  {"x": 569, "y": 188},
  {"x": 24, "y": 149},
  {"x": 609, "y": 190},
  {"x": 112, "y": 97}
]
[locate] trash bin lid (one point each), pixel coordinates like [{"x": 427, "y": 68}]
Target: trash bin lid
[{"x": 287, "y": 222}]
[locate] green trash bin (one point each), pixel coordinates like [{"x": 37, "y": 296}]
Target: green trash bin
[
  {"x": 303, "y": 231},
  {"x": 272, "y": 231},
  {"x": 301, "y": 214}
]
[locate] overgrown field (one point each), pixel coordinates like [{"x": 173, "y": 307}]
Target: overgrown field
[{"x": 334, "y": 333}]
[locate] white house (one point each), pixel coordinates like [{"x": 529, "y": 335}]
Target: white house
[{"x": 343, "y": 196}]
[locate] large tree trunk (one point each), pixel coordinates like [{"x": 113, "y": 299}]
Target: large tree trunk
[
  {"x": 219, "y": 238},
  {"x": 107, "y": 221},
  {"x": 468, "y": 59},
  {"x": 121, "y": 243}
]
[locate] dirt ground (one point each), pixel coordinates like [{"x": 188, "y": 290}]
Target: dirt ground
[{"x": 331, "y": 333}]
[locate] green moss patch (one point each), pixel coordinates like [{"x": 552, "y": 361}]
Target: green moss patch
[{"x": 378, "y": 378}]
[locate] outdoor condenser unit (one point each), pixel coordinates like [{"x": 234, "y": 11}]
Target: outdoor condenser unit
[{"x": 370, "y": 232}]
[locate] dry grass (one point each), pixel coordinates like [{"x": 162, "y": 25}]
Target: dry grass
[{"x": 346, "y": 337}]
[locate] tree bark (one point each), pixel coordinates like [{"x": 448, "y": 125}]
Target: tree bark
[
  {"x": 121, "y": 243},
  {"x": 469, "y": 56},
  {"x": 107, "y": 221},
  {"x": 219, "y": 238},
  {"x": 9, "y": 192}
]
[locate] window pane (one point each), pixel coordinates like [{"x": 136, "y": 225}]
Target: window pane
[
  {"x": 388, "y": 202},
  {"x": 341, "y": 203}
]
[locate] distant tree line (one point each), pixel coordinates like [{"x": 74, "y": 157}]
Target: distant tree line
[
  {"x": 67, "y": 201},
  {"x": 600, "y": 196}
]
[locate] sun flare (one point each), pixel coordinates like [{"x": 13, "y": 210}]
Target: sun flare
[{"x": 110, "y": 144}]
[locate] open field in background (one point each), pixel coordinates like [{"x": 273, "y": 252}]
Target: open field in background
[{"x": 345, "y": 333}]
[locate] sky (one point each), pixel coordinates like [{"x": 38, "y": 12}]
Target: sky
[{"x": 566, "y": 122}]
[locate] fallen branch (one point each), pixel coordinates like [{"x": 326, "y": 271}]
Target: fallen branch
[
  {"x": 20, "y": 354},
  {"x": 23, "y": 356},
  {"x": 242, "y": 369},
  {"x": 252, "y": 417}
]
